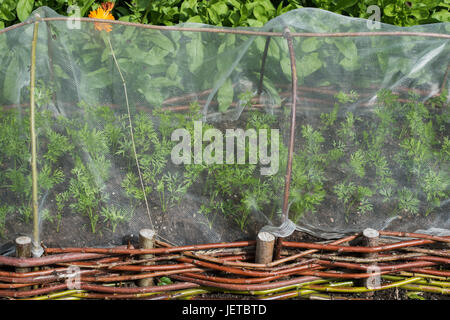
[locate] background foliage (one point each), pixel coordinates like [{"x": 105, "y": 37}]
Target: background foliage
[{"x": 233, "y": 13}]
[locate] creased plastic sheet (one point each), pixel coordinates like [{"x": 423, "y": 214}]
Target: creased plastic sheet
[{"x": 371, "y": 137}]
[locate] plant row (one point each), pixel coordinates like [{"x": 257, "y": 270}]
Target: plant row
[{"x": 393, "y": 159}]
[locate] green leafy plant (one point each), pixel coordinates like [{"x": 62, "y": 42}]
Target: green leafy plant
[
  {"x": 86, "y": 194},
  {"x": 114, "y": 216},
  {"x": 153, "y": 150},
  {"x": 4, "y": 211},
  {"x": 328, "y": 119},
  {"x": 130, "y": 185},
  {"x": 347, "y": 132},
  {"x": 306, "y": 196},
  {"x": 253, "y": 200},
  {"x": 25, "y": 212},
  {"x": 232, "y": 13},
  {"x": 354, "y": 197},
  {"x": 14, "y": 142},
  {"x": 212, "y": 207},
  {"x": 163, "y": 281},
  {"x": 170, "y": 190},
  {"x": 19, "y": 182},
  {"x": 236, "y": 190},
  {"x": 434, "y": 185},
  {"x": 14, "y": 158},
  {"x": 307, "y": 191},
  {"x": 399, "y": 147},
  {"x": 337, "y": 152},
  {"x": 358, "y": 162},
  {"x": 387, "y": 193},
  {"x": 48, "y": 178},
  {"x": 415, "y": 295},
  {"x": 408, "y": 201},
  {"x": 57, "y": 146},
  {"x": 15, "y": 11},
  {"x": 402, "y": 13},
  {"x": 61, "y": 202},
  {"x": 45, "y": 215},
  {"x": 344, "y": 97}
]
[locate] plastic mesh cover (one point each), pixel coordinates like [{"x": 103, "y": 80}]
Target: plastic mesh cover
[{"x": 371, "y": 137}]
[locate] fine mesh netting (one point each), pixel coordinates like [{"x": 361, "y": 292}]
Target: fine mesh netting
[{"x": 186, "y": 129}]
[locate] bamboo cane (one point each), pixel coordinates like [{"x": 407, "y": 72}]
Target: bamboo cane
[
  {"x": 55, "y": 295},
  {"x": 436, "y": 283},
  {"x": 362, "y": 289},
  {"x": 423, "y": 275},
  {"x": 432, "y": 289},
  {"x": 152, "y": 251},
  {"x": 300, "y": 292},
  {"x": 37, "y": 249}
]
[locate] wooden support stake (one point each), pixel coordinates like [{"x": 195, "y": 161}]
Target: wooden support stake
[
  {"x": 371, "y": 236},
  {"x": 23, "y": 250},
  {"x": 371, "y": 239},
  {"x": 264, "y": 247},
  {"x": 37, "y": 250},
  {"x": 146, "y": 241}
]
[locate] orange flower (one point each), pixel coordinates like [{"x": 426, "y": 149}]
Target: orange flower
[{"x": 103, "y": 12}]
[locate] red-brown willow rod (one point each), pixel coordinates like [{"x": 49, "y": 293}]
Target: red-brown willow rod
[
  {"x": 414, "y": 235},
  {"x": 152, "y": 251},
  {"x": 274, "y": 274},
  {"x": 131, "y": 277},
  {"x": 246, "y": 287},
  {"x": 306, "y": 266},
  {"x": 46, "y": 279},
  {"x": 287, "y": 182},
  {"x": 240, "y": 271},
  {"x": 441, "y": 273},
  {"x": 233, "y": 30},
  {"x": 46, "y": 260},
  {"x": 330, "y": 247},
  {"x": 282, "y": 260},
  {"x": 15, "y": 285}
]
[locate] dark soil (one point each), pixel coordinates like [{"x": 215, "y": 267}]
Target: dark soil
[{"x": 179, "y": 225}]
